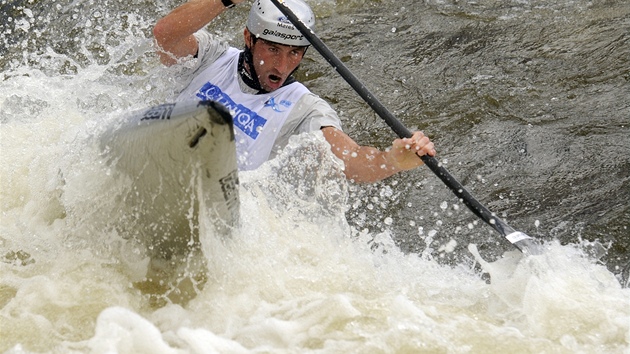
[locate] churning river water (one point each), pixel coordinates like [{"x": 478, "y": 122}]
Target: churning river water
[{"x": 528, "y": 102}]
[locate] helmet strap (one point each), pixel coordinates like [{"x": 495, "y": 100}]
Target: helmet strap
[{"x": 245, "y": 62}]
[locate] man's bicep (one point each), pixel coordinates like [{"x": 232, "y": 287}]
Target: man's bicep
[{"x": 184, "y": 49}]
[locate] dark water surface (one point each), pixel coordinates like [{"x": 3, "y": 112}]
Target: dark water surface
[{"x": 528, "y": 102}]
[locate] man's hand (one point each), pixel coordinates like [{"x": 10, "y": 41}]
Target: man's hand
[{"x": 404, "y": 152}]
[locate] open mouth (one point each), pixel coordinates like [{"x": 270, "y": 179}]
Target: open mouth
[{"x": 275, "y": 78}]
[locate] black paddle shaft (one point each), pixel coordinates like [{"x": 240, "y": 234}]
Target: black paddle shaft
[{"x": 523, "y": 243}]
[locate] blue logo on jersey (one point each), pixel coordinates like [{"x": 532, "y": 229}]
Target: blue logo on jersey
[
  {"x": 276, "y": 106},
  {"x": 245, "y": 119}
]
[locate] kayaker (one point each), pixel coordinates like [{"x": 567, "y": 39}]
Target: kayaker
[{"x": 257, "y": 85}]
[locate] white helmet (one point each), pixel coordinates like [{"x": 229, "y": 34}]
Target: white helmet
[{"x": 266, "y": 21}]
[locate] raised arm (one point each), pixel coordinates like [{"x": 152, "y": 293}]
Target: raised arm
[
  {"x": 174, "y": 32},
  {"x": 365, "y": 164}
]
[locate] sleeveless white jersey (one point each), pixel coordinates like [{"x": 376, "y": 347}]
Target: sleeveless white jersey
[{"x": 258, "y": 118}]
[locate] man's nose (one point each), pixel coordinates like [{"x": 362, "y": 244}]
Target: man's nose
[{"x": 282, "y": 63}]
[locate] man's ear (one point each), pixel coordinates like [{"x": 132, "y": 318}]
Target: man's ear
[{"x": 248, "y": 38}]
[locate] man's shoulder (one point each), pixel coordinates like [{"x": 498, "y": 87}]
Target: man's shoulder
[
  {"x": 209, "y": 46},
  {"x": 203, "y": 35},
  {"x": 309, "y": 100},
  {"x": 312, "y": 108}
]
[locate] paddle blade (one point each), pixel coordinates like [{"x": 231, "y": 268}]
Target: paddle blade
[{"x": 524, "y": 243}]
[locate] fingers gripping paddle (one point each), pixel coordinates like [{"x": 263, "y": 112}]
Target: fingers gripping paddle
[{"x": 520, "y": 240}]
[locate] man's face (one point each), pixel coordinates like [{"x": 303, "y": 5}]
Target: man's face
[{"x": 274, "y": 62}]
